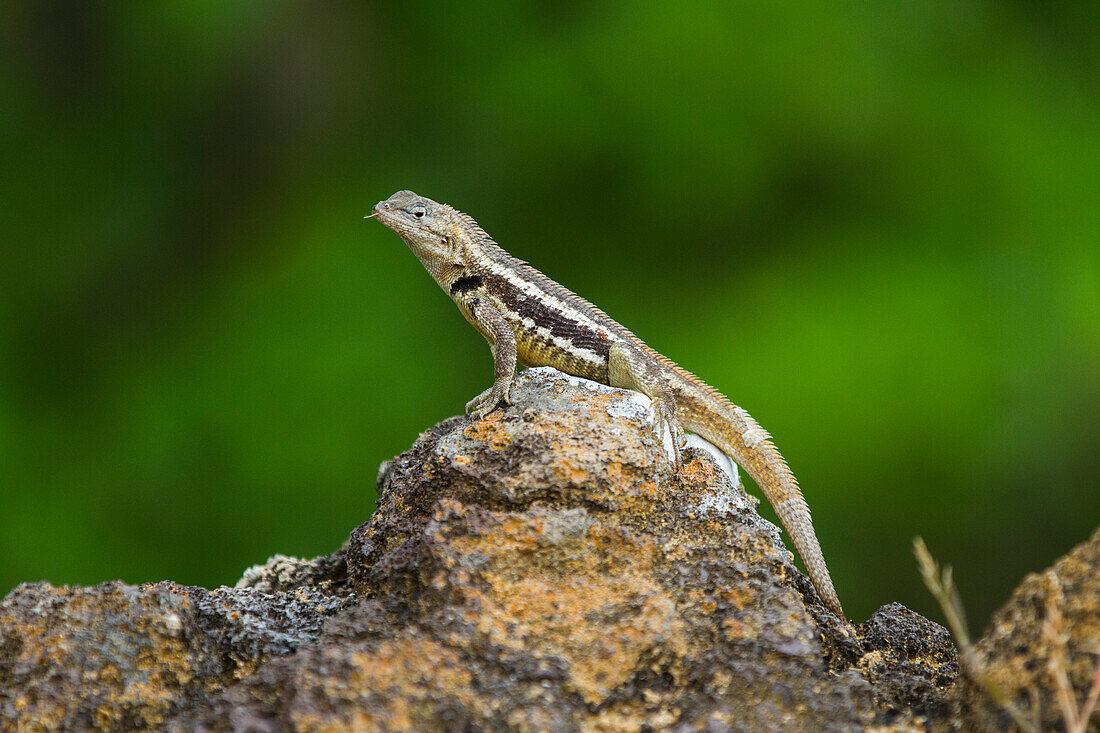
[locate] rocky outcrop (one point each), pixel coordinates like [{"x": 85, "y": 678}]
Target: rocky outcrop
[
  {"x": 1050, "y": 627},
  {"x": 120, "y": 657},
  {"x": 544, "y": 569}
]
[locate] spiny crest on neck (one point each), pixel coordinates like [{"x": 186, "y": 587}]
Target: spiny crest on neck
[
  {"x": 473, "y": 229},
  {"x": 487, "y": 247},
  {"x": 484, "y": 244}
]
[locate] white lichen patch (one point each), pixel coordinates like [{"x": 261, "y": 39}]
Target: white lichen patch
[
  {"x": 171, "y": 624},
  {"x": 724, "y": 500},
  {"x": 633, "y": 406},
  {"x": 279, "y": 565}
]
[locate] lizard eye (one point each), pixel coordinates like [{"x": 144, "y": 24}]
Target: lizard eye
[{"x": 418, "y": 210}]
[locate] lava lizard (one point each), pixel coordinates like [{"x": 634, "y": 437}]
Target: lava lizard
[{"x": 529, "y": 318}]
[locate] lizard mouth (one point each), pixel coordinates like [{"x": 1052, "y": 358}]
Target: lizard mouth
[
  {"x": 383, "y": 212},
  {"x": 416, "y": 237}
]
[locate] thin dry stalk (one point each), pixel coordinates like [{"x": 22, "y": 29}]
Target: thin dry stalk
[
  {"x": 942, "y": 587},
  {"x": 1076, "y": 720},
  {"x": 1094, "y": 695}
]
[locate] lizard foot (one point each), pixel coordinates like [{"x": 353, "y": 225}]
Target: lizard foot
[
  {"x": 664, "y": 422},
  {"x": 486, "y": 402}
]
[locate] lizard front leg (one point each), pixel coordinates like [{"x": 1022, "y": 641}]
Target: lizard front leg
[
  {"x": 502, "y": 342},
  {"x": 628, "y": 367}
]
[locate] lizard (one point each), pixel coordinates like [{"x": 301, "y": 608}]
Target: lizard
[{"x": 528, "y": 318}]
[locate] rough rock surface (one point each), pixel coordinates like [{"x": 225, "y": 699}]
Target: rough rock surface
[
  {"x": 1015, "y": 651},
  {"x": 120, "y": 657},
  {"x": 543, "y": 569}
]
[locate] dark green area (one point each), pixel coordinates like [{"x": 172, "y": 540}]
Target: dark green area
[{"x": 876, "y": 226}]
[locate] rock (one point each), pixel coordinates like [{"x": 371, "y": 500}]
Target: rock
[
  {"x": 120, "y": 657},
  {"x": 908, "y": 661},
  {"x": 544, "y": 569},
  {"x": 1016, "y": 649}
]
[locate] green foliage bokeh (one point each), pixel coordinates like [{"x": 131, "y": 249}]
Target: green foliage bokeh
[{"x": 873, "y": 225}]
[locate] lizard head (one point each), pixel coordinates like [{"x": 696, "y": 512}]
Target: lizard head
[{"x": 429, "y": 228}]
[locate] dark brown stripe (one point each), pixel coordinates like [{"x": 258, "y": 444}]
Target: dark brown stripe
[
  {"x": 544, "y": 316},
  {"x": 462, "y": 284}
]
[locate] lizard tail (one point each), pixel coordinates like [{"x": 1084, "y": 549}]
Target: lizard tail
[{"x": 705, "y": 411}]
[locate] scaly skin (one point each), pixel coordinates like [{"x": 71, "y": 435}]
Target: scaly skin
[{"x": 528, "y": 318}]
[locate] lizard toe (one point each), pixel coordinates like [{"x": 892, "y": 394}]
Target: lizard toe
[{"x": 478, "y": 402}]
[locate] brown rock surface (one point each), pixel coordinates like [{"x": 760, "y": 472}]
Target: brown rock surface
[
  {"x": 120, "y": 657},
  {"x": 1015, "y": 652},
  {"x": 543, "y": 570}
]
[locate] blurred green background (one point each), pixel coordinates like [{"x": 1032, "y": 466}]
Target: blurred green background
[{"x": 876, "y": 226}]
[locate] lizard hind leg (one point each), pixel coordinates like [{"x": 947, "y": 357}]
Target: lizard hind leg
[{"x": 629, "y": 368}]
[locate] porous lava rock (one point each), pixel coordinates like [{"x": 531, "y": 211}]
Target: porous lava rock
[
  {"x": 1059, "y": 607},
  {"x": 543, "y": 569}
]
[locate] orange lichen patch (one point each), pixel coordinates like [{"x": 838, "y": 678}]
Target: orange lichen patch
[
  {"x": 360, "y": 722},
  {"x": 907, "y": 726},
  {"x": 624, "y": 483},
  {"x": 699, "y": 472},
  {"x": 462, "y": 460},
  {"x": 72, "y": 637},
  {"x": 598, "y": 402},
  {"x": 571, "y": 472},
  {"x": 514, "y": 533},
  {"x": 597, "y": 609},
  {"x": 555, "y": 616},
  {"x": 167, "y": 666},
  {"x": 562, "y": 550},
  {"x": 412, "y": 663},
  {"x": 734, "y": 629},
  {"x": 491, "y": 430},
  {"x": 629, "y": 718},
  {"x": 735, "y": 595},
  {"x": 640, "y": 498},
  {"x": 387, "y": 687}
]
